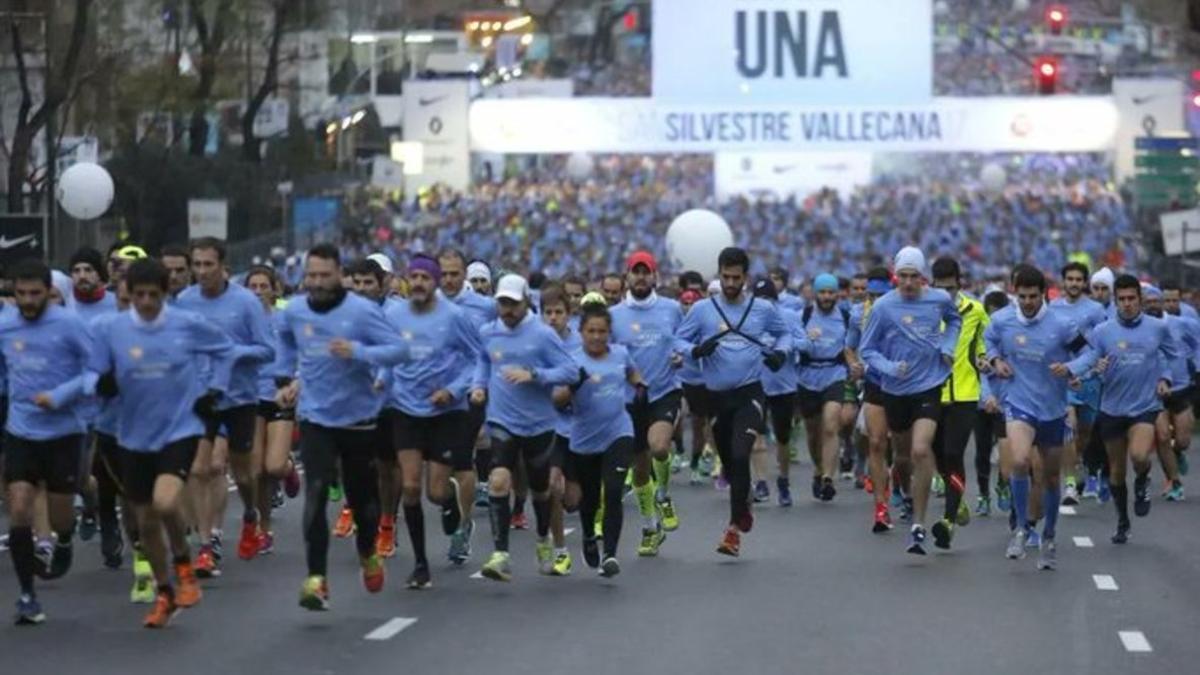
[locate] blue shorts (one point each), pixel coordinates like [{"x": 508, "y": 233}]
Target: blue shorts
[
  {"x": 1086, "y": 401},
  {"x": 1046, "y": 433}
]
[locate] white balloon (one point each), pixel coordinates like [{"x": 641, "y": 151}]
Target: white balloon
[
  {"x": 695, "y": 239},
  {"x": 85, "y": 191},
  {"x": 579, "y": 165},
  {"x": 993, "y": 177}
]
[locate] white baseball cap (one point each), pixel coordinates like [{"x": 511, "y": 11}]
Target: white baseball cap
[
  {"x": 384, "y": 262},
  {"x": 513, "y": 287}
]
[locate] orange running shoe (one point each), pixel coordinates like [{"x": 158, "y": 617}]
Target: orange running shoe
[
  {"x": 248, "y": 542},
  {"x": 188, "y": 593},
  {"x": 345, "y": 524},
  {"x": 372, "y": 573},
  {"x": 731, "y": 543},
  {"x": 883, "y": 519},
  {"x": 869, "y": 485},
  {"x": 164, "y": 610},
  {"x": 385, "y": 537},
  {"x": 206, "y": 565}
]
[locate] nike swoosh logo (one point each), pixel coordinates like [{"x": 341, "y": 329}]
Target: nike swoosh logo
[
  {"x": 6, "y": 243},
  {"x": 1142, "y": 100},
  {"x": 429, "y": 101}
]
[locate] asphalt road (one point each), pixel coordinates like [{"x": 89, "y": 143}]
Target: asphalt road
[{"x": 814, "y": 592}]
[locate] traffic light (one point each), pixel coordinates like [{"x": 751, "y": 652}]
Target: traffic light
[
  {"x": 1056, "y": 19},
  {"x": 1045, "y": 73}
]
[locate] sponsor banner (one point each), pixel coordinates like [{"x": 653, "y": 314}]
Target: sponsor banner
[
  {"x": 208, "y": 218},
  {"x": 780, "y": 175},
  {"x": 784, "y": 51},
  {"x": 1147, "y": 107},
  {"x": 435, "y": 115},
  {"x": 22, "y": 236},
  {"x": 1046, "y": 124}
]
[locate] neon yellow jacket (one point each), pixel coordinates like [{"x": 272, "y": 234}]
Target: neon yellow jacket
[{"x": 963, "y": 385}]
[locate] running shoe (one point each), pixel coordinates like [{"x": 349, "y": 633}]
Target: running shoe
[
  {"x": 883, "y": 519},
  {"x": 1070, "y": 495},
  {"x": 943, "y": 533},
  {"x": 1122, "y": 534},
  {"x": 868, "y": 485},
  {"x": 164, "y": 610},
  {"x": 860, "y": 481},
  {"x": 1033, "y": 540},
  {"x": 188, "y": 593},
  {"x": 143, "y": 581},
  {"x": 1048, "y": 556},
  {"x": 784, "y": 491},
  {"x": 762, "y": 493},
  {"x": 1003, "y": 498},
  {"x": 916, "y": 540},
  {"x": 731, "y": 543},
  {"x": 1091, "y": 487},
  {"x": 314, "y": 594},
  {"x": 963, "y": 518},
  {"x": 828, "y": 491},
  {"x": 291, "y": 482},
  {"x": 1175, "y": 494},
  {"x": 88, "y": 525},
  {"x": 58, "y": 563},
  {"x": 708, "y": 465},
  {"x": 112, "y": 546},
  {"x": 677, "y": 462},
  {"x": 698, "y": 477},
  {"x": 906, "y": 510},
  {"x": 217, "y": 543},
  {"x": 562, "y": 564},
  {"x": 544, "y": 552},
  {"x": 266, "y": 542},
  {"x": 336, "y": 493},
  {"x": 591, "y": 552},
  {"x": 205, "y": 564},
  {"x": 519, "y": 521},
  {"x": 983, "y": 507},
  {"x": 385, "y": 536},
  {"x": 722, "y": 483},
  {"x": 344, "y": 527},
  {"x": 451, "y": 512},
  {"x": 29, "y": 611},
  {"x": 667, "y": 514},
  {"x": 481, "y": 496},
  {"x": 1166, "y": 487},
  {"x": 278, "y": 499},
  {"x": 419, "y": 579},
  {"x": 498, "y": 567},
  {"x": 372, "y": 572},
  {"x": 1183, "y": 462},
  {"x": 1105, "y": 492},
  {"x": 460, "y": 543},
  {"x": 1016, "y": 545},
  {"x": 816, "y": 487},
  {"x": 897, "y": 499},
  {"x": 248, "y": 542},
  {"x": 610, "y": 568},
  {"x": 652, "y": 541},
  {"x": 1141, "y": 496}
]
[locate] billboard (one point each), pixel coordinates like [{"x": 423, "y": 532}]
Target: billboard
[
  {"x": 435, "y": 115},
  {"x": 780, "y": 175},
  {"x": 791, "y": 51}
]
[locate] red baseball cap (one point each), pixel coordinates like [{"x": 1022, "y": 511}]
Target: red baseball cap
[{"x": 641, "y": 258}]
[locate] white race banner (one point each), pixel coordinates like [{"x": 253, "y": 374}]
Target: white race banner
[
  {"x": 781, "y": 175},
  {"x": 435, "y": 115},
  {"x": 1147, "y": 107},
  {"x": 208, "y": 218},
  {"x": 787, "y": 51},
  {"x": 970, "y": 124}
]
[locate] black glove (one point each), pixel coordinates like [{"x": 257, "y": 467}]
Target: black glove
[
  {"x": 706, "y": 348},
  {"x": 641, "y": 394},
  {"x": 205, "y": 407},
  {"x": 106, "y": 386},
  {"x": 774, "y": 360},
  {"x": 578, "y": 383}
]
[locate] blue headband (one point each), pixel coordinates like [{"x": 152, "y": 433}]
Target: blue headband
[{"x": 878, "y": 286}]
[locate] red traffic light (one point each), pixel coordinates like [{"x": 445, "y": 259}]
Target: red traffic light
[
  {"x": 1045, "y": 73},
  {"x": 1056, "y": 19}
]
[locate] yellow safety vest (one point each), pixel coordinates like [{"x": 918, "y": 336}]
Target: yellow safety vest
[{"x": 963, "y": 385}]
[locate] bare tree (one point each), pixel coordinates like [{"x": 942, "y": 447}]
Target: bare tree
[
  {"x": 211, "y": 35},
  {"x": 281, "y": 10},
  {"x": 32, "y": 120}
]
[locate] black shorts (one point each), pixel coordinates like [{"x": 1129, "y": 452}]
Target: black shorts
[
  {"x": 813, "y": 402},
  {"x": 664, "y": 409},
  {"x": 509, "y": 449},
  {"x": 110, "y": 458},
  {"x": 997, "y": 423},
  {"x": 697, "y": 398},
  {"x": 142, "y": 469},
  {"x": 1111, "y": 427},
  {"x": 562, "y": 446},
  {"x": 872, "y": 394},
  {"x": 1178, "y": 402},
  {"x": 781, "y": 410},
  {"x": 619, "y": 454},
  {"x": 238, "y": 422},
  {"x": 476, "y": 415},
  {"x": 54, "y": 462},
  {"x": 271, "y": 412},
  {"x": 904, "y": 411},
  {"x": 441, "y": 438}
]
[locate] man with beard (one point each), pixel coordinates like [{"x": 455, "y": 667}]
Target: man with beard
[
  {"x": 335, "y": 341},
  {"x": 427, "y": 413},
  {"x": 88, "y": 275},
  {"x": 822, "y": 382},
  {"x": 44, "y": 351},
  {"x": 645, "y": 324}
]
